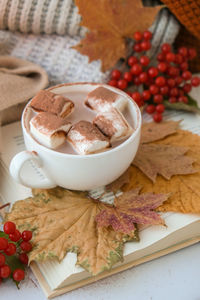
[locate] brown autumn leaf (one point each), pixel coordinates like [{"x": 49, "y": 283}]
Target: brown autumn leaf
[
  {"x": 154, "y": 159},
  {"x": 129, "y": 208},
  {"x": 64, "y": 221},
  {"x": 110, "y": 23},
  {"x": 184, "y": 189},
  {"x": 166, "y": 160},
  {"x": 153, "y": 131}
]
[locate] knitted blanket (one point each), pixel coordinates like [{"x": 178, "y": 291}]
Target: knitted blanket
[
  {"x": 40, "y": 16},
  {"x": 64, "y": 64},
  {"x": 47, "y": 29},
  {"x": 53, "y": 52}
]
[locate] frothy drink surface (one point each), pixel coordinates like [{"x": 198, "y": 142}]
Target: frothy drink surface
[{"x": 82, "y": 112}]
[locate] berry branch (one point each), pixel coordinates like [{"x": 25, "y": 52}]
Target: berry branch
[
  {"x": 165, "y": 84},
  {"x": 14, "y": 247}
]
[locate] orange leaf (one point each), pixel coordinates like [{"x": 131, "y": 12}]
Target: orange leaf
[
  {"x": 110, "y": 22},
  {"x": 104, "y": 46}
]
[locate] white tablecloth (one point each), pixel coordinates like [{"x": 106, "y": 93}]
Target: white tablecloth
[{"x": 175, "y": 277}]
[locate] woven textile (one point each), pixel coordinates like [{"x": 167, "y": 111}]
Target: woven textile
[
  {"x": 185, "y": 38},
  {"x": 54, "y": 54},
  {"x": 44, "y": 16},
  {"x": 187, "y": 12},
  {"x": 40, "y": 16},
  {"x": 19, "y": 81}
]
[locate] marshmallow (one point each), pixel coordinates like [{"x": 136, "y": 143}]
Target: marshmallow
[
  {"x": 86, "y": 138},
  {"x": 49, "y": 102},
  {"x": 113, "y": 124},
  {"x": 102, "y": 99},
  {"x": 49, "y": 129}
]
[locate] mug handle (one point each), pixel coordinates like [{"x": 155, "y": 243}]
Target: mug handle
[{"x": 17, "y": 164}]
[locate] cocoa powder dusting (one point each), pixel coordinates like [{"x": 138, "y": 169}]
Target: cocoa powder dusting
[
  {"x": 103, "y": 94},
  {"x": 107, "y": 122},
  {"x": 89, "y": 131},
  {"x": 49, "y": 121},
  {"x": 49, "y": 102},
  {"x": 105, "y": 126}
]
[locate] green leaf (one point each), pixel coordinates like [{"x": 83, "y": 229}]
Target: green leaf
[
  {"x": 13, "y": 261},
  {"x": 191, "y": 106},
  {"x": 3, "y": 234}
]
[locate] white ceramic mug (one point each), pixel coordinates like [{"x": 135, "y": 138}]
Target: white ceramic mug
[{"x": 76, "y": 172}]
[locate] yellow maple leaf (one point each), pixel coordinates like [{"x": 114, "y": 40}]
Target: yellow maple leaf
[
  {"x": 184, "y": 189},
  {"x": 64, "y": 221}
]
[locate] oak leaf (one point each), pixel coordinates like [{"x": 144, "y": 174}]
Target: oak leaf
[
  {"x": 110, "y": 23},
  {"x": 130, "y": 208},
  {"x": 64, "y": 221},
  {"x": 185, "y": 190}
]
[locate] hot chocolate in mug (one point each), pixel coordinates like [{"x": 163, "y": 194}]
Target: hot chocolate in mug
[{"x": 76, "y": 172}]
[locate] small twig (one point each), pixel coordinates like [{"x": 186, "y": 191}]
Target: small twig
[{"x": 5, "y": 205}]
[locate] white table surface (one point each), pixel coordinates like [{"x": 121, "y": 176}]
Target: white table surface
[{"x": 175, "y": 276}]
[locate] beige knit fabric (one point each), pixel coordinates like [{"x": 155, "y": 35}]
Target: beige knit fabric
[
  {"x": 64, "y": 64},
  {"x": 40, "y": 16},
  {"x": 61, "y": 17},
  {"x": 54, "y": 52},
  {"x": 19, "y": 81}
]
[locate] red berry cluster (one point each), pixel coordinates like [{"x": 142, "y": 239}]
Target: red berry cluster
[
  {"x": 14, "y": 243},
  {"x": 169, "y": 80}
]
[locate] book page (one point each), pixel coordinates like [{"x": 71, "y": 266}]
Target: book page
[
  {"x": 55, "y": 272},
  {"x": 12, "y": 142}
]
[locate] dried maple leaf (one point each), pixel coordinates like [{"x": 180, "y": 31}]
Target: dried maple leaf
[
  {"x": 64, "y": 221},
  {"x": 130, "y": 208},
  {"x": 152, "y": 131},
  {"x": 110, "y": 22},
  {"x": 185, "y": 190},
  {"x": 166, "y": 160}
]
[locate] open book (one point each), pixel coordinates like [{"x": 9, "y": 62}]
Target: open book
[{"x": 57, "y": 278}]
